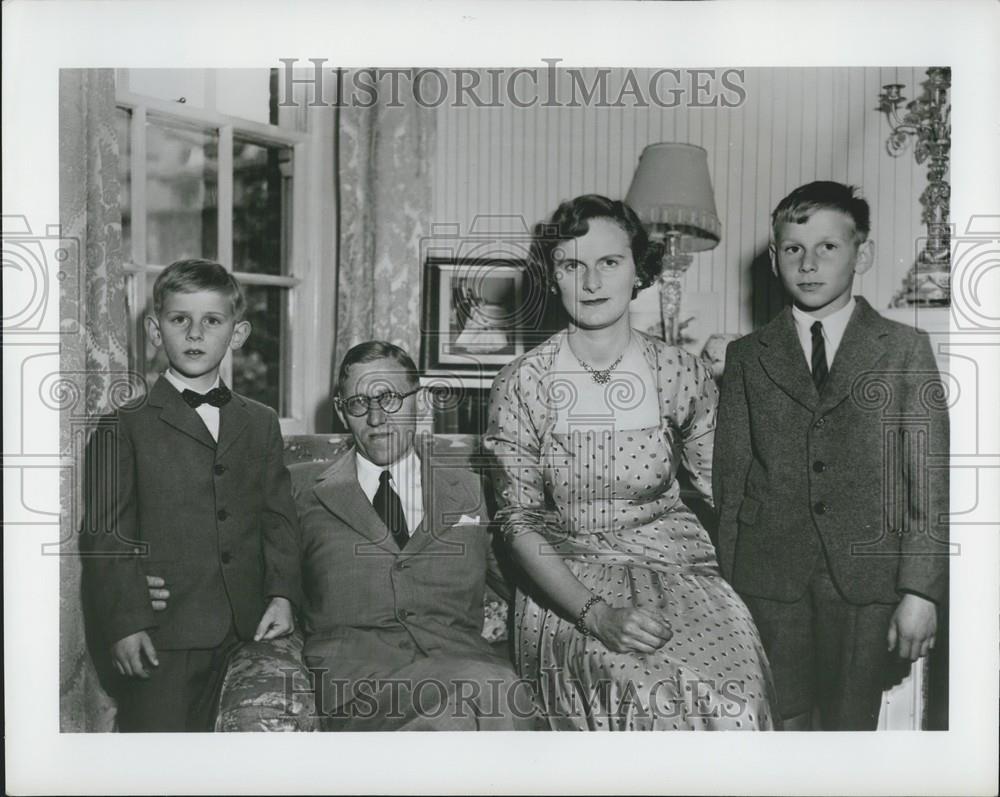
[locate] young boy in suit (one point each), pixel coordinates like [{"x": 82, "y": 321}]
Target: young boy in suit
[
  {"x": 201, "y": 508},
  {"x": 832, "y": 527}
]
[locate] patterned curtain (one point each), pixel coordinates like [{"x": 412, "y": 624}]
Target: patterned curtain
[
  {"x": 384, "y": 179},
  {"x": 93, "y": 355}
]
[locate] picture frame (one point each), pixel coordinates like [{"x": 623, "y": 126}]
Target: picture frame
[{"x": 480, "y": 313}]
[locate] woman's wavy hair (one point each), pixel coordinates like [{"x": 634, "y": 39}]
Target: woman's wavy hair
[{"x": 572, "y": 219}]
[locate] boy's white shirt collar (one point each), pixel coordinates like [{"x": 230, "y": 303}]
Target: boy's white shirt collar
[
  {"x": 834, "y": 326},
  {"x": 208, "y": 413},
  {"x": 406, "y": 481}
]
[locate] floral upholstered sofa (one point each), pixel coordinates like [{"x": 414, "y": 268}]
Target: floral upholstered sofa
[{"x": 266, "y": 686}]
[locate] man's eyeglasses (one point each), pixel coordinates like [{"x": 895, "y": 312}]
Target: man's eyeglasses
[{"x": 359, "y": 405}]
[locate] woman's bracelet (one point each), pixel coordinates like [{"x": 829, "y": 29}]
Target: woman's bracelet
[{"x": 583, "y": 613}]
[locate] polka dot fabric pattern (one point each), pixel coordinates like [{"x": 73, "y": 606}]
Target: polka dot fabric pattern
[{"x": 609, "y": 503}]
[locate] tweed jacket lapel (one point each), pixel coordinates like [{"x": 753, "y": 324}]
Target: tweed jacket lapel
[
  {"x": 175, "y": 412},
  {"x": 338, "y": 490},
  {"x": 444, "y": 497},
  {"x": 233, "y": 419},
  {"x": 863, "y": 345},
  {"x": 784, "y": 361}
]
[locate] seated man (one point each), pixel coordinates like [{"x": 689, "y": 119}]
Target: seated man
[{"x": 396, "y": 549}]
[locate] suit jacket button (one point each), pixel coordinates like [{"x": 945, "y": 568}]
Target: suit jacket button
[
  {"x": 399, "y": 564},
  {"x": 219, "y": 470},
  {"x": 819, "y": 466},
  {"x": 226, "y": 557},
  {"x": 820, "y": 423},
  {"x": 222, "y": 514},
  {"x": 820, "y": 508},
  {"x": 402, "y": 614}
]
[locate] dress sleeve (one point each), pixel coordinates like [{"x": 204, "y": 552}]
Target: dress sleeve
[
  {"x": 514, "y": 441},
  {"x": 694, "y": 419}
]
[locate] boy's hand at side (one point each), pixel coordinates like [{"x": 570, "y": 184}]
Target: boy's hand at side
[
  {"x": 912, "y": 627},
  {"x": 127, "y": 654},
  {"x": 158, "y": 592},
  {"x": 277, "y": 620}
]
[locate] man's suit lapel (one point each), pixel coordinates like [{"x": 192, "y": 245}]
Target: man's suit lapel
[
  {"x": 784, "y": 361},
  {"x": 862, "y": 346},
  {"x": 338, "y": 490},
  {"x": 175, "y": 412},
  {"x": 444, "y": 495},
  {"x": 233, "y": 419}
]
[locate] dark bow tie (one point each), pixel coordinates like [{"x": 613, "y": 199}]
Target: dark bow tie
[{"x": 217, "y": 396}]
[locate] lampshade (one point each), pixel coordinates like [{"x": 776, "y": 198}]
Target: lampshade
[{"x": 671, "y": 190}]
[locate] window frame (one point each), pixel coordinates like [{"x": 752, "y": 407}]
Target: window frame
[{"x": 307, "y": 384}]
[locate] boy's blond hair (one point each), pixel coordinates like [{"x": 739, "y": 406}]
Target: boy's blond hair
[
  {"x": 195, "y": 274},
  {"x": 799, "y": 206}
]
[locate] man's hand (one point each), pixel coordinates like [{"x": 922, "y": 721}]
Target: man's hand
[
  {"x": 158, "y": 592},
  {"x": 127, "y": 654},
  {"x": 277, "y": 620},
  {"x": 912, "y": 627}
]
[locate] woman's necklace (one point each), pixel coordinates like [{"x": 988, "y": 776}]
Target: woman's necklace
[{"x": 603, "y": 376}]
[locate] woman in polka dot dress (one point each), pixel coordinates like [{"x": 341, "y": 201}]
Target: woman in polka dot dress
[{"x": 622, "y": 620}]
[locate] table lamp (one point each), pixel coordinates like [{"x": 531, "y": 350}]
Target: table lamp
[{"x": 671, "y": 193}]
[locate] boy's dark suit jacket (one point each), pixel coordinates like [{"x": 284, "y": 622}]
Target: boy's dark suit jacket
[
  {"x": 794, "y": 470},
  {"x": 216, "y": 521},
  {"x": 369, "y": 606}
]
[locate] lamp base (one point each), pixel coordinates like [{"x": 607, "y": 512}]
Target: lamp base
[{"x": 672, "y": 268}]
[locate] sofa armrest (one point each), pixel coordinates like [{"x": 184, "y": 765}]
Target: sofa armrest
[{"x": 267, "y": 688}]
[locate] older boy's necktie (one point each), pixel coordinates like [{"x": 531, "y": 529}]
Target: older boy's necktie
[
  {"x": 819, "y": 367},
  {"x": 217, "y": 397},
  {"x": 390, "y": 509}
]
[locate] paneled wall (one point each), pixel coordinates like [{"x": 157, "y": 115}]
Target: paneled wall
[{"x": 794, "y": 126}]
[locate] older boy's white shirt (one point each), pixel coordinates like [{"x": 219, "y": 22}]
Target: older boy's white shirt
[
  {"x": 405, "y": 479},
  {"x": 208, "y": 413},
  {"x": 834, "y": 326}
]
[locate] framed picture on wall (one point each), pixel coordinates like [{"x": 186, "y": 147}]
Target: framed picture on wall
[{"x": 479, "y": 313}]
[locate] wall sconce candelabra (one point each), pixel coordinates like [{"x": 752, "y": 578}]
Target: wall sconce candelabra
[{"x": 927, "y": 122}]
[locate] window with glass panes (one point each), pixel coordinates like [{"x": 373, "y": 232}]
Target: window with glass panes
[{"x": 210, "y": 170}]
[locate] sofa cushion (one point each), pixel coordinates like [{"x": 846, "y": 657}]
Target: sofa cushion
[{"x": 266, "y": 688}]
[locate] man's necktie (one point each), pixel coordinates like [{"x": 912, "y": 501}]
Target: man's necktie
[
  {"x": 819, "y": 367},
  {"x": 217, "y": 397},
  {"x": 390, "y": 509}
]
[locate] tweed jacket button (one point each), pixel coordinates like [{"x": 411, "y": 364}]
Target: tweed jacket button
[
  {"x": 819, "y": 466},
  {"x": 226, "y": 557},
  {"x": 402, "y": 614},
  {"x": 820, "y": 423},
  {"x": 222, "y": 514},
  {"x": 219, "y": 470},
  {"x": 820, "y": 508}
]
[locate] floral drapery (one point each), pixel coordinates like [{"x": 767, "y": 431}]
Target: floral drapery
[
  {"x": 384, "y": 177},
  {"x": 93, "y": 353}
]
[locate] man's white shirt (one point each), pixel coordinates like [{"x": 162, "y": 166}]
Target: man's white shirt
[{"x": 405, "y": 478}]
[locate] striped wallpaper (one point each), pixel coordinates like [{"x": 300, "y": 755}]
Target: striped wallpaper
[{"x": 795, "y": 125}]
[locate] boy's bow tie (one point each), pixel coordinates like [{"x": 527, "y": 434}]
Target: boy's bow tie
[{"x": 217, "y": 396}]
